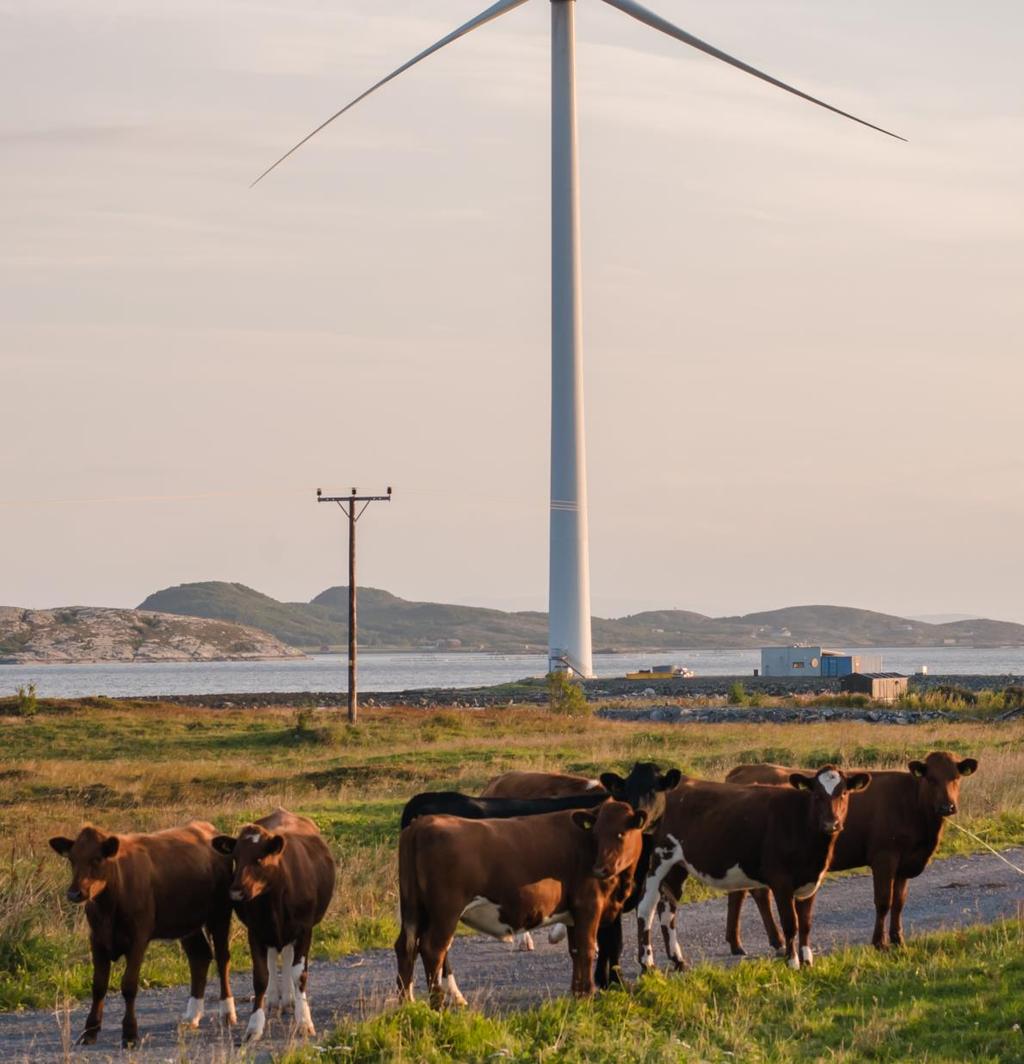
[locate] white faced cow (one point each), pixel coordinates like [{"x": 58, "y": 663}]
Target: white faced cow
[{"x": 734, "y": 837}]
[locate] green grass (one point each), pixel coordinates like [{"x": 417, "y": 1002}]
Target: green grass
[{"x": 944, "y": 998}]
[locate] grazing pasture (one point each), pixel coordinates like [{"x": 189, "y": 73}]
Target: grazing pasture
[{"x": 140, "y": 766}]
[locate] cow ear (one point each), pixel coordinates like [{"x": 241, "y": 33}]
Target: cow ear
[
  {"x": 802, "y": 782},
  {"x": 613, "y": 783},
  {"x": 223, "y": 844},
  {"x": 60, "y": 844},
  {"x": 584, "y": 821},
  {"x": 859, "y": 781},
  {"x": 670, "y": 780},
  {"x": 275, "y": 844},
  {"x": 967, "y": 767},
  {"x": 109, "y": 846},
  {"x": 918, "y": 769},
  {"x": 639, "y": 819}
]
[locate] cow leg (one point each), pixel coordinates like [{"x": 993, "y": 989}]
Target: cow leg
[
  {"x": 668, "y": 911},
  {"x": 732, "y": 922},
  {"x": 285, "y": 987},
  {"x": 582, "y": 948},
  {"x": 434, "y": 946},
  {"x": 664, "y": 859},
  {"x": 884, "y": 873},
  {"x": 787, "y": 916},
  {"x": 899, "y": 899},
  {"x": 607, "y": 969},
  {"x": 763, "y": 901},
  {"x": 100, "y": 982},
  {"x": 130, "y": 990},
  {"x": 260, "y": 978},
  {"x": 298, "y": 975},
  {"x": 199, "y": 954},
  {"x": 220, "y": 933},
  {"x": 804, "y": 919},
  {"x": 524, "y": 942},
  {"x": 406, "y": 947},
  {"x": 274, "y": 998}
]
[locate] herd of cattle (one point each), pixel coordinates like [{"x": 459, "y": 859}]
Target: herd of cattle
[{"x": 535, "y": 850}]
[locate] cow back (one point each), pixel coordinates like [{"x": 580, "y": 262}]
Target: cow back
[{"x": 538, "y": 785}]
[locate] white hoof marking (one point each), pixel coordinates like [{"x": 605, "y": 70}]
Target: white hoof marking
[
  {"x": 256, "y": 1027},
  {"x": 193, "y": 1012},
  {"x": 227, "y": 1011},
  {"x": 806, "y": 955}
]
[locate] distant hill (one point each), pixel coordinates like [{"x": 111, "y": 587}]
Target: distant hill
[
  {"x": 93, "y": 634},
  {"x": 387, "y": 621}
]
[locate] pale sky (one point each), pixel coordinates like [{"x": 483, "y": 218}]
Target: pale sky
[{"x": 803, "y": 339}]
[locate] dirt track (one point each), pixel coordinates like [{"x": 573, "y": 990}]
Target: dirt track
[{"x": 951, "y": 893}]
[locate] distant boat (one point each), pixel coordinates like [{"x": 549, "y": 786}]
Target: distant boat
[{"x": 662, "y": 672}]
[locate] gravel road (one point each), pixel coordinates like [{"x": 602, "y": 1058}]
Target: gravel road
[{"x": 955, "y": 892}]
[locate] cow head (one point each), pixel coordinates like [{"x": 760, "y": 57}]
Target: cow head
[
  {"x": 257, "y": 855},
  {"x": 92, "y": 861},
  {"x": 617, "y": 830},
  {"x": 830, "y": 791},
  {"x": 644, "y": 789},
  {"x": 938, "y": 780}
]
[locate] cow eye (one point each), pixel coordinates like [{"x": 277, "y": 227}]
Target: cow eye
[{"x": 620, "y": 836}]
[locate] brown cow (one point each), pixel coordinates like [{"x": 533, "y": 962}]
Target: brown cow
[
  {"x": 137, "y": 888},
  {"x": 734, "y": 837},
  {"x": 504, "y": 876},
  {"x": 283, "y": 883},
  {"x": 538, "y": 785},
  {"x": 893, "y": 828},
  {"x": 644, "y": 789}
]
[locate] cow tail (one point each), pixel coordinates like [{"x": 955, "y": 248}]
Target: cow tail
[{"x": 410, "y": 910}]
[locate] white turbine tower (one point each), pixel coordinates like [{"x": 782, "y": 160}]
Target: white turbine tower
[{"x": 569, "y": 643}]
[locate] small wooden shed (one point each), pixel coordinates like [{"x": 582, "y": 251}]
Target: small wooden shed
[{"x": 880, "y": 686}]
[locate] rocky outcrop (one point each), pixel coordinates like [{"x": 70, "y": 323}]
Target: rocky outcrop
[{"x": 91, "y": 634}]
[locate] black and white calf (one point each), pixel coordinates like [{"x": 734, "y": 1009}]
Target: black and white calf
[{"x": 734, "y": 837}]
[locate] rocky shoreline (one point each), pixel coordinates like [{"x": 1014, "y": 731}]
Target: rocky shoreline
[{"x": 534, "y": 693}]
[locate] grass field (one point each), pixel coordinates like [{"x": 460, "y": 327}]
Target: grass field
[
  {"x": 945, "y": 998},
  {"x": 142, "y": 766}
]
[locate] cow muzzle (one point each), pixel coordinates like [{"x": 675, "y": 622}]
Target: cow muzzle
[
  {"x": 832, "y": 827},
  {"x": 76, "y": 895},
  {"x": 947, "y": 808},
  {"x": 603, "y": 872},
  {"x": 236, "y": 895}
]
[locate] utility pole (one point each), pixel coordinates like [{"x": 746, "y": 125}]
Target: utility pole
[{"x": 354, "y": 506}]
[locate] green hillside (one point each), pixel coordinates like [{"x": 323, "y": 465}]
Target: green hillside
[{"x": 387, "y": 621}]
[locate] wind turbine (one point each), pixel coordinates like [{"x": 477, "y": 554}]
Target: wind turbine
[{"x": 569, "y": 643}]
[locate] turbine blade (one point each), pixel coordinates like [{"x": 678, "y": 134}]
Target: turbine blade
[
  {"x": 494, "y": 11},
  {"x": 649, "y": 18}
]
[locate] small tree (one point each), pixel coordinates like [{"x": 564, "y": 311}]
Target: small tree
[
  {"x": 566, "y": 696},
  {"x": 737, "y": 694}
]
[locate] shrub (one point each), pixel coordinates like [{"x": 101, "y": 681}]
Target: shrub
[
  {"x": 737, "y": 694},
  {"x": 567, "y": 697},
  {"x": 953, "y": 693},
  {"x": 26, "y": 705}
]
